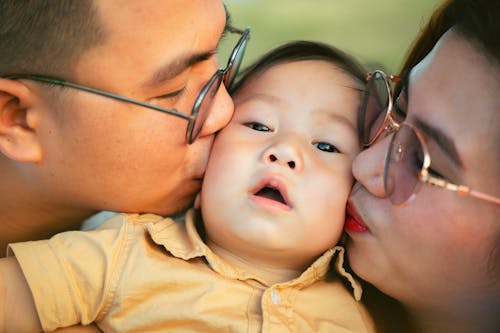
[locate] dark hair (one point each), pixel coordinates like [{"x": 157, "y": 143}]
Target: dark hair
[
  {"x": 46, "y": 36},
  {"x": 300, "y": 51},
  {"x": 478, "y": 21}
]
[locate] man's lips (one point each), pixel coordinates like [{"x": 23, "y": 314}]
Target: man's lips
[{"x": 353, "y": 221}]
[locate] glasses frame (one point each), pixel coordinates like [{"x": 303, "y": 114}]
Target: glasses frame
[
  {"x": 389, "y": 124},
  {"x": 219, "y": 76},
  {"x": 424, "y": 175}
]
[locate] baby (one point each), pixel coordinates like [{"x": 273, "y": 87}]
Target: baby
[{"x": 256, "y": 260}]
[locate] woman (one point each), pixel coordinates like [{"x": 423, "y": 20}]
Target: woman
[{"x": 435, "y": 249}]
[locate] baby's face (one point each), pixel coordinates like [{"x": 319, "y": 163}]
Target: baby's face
[{"x": 279, "y": 174}]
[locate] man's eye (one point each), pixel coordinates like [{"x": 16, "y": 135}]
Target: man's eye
[
  {"x": 258, "y": 127},
  {"x": 326, "y": 147},
  {"x": 173, "y": 95}
]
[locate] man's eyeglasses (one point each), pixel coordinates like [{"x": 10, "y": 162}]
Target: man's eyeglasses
[
  {"x": 202, "y": 104},
  {"x": 408, "y": 161}
]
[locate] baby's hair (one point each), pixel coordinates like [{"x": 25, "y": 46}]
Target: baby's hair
[{"x": 301, "y": 50}]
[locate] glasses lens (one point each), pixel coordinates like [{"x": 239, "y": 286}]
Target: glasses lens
[
  {"x": 403, "y": 165},
  {"x": 235, "y": 59},
  {"x": 373, "y": 108},
  {"x": 203, "y": 105}
]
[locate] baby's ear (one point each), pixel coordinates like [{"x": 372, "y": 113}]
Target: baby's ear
[
  {"x": 197, "y": 201},
  {"x": 18, "y": 136}
]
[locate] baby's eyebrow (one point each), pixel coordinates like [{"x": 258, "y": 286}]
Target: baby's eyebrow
[{"x": 260, "y": 97}]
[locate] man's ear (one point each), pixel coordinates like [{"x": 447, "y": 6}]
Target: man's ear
[{"x": 18, "y": 122}]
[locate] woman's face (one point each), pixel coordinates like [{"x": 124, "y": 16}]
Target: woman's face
[{"x": 442, "y": 249}]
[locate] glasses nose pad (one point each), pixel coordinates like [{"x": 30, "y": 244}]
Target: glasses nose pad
[
  {"x": 216, "y": 109},
  {"x": 403, "y": 164},
  {"x": 390, "y": 127}
]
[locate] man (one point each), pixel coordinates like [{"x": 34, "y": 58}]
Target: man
[{"x": 66, "y": 153}]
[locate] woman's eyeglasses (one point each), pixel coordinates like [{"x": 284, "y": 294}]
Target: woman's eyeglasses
[{"x": 408, "y": 160}]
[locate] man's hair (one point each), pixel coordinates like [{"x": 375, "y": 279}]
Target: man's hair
[
  {"x": 300, "y": 51},
  {"x": 478, "y": 21},
  {"x": 46, "y": 36}
]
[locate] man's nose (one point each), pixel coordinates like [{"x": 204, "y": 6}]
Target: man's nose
[
  {"x": 368, "y": 167},
  {"x": 220, "y": 112}
]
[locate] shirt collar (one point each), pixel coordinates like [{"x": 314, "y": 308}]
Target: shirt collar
[{"x": 183, "y": 241}]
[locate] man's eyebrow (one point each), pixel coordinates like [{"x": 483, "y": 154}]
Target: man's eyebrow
[
  {"x": 174, "y": 68},
  {"x": 171, "y": 70},
  {"x": 228, "y": 17},
  {"x": 228, "y": 25},
  {"x": 443, "y": 141}
]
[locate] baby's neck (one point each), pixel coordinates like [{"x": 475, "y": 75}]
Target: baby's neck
[{"x": 268, "y": 272}]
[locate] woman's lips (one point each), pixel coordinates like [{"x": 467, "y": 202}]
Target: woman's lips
[
  {"x": 353, "y": 221},
  {"x": 354, "y": 226}
]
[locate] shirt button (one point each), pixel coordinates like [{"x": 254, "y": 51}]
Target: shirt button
[{"x": 275, "y": 297}]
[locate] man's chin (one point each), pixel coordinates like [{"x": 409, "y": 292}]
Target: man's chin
[{"x": 179, "y": 206}]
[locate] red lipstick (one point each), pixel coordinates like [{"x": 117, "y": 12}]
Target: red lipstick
[{"x": 353, "y": 222}]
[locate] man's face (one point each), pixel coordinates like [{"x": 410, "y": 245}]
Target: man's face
[
  {"x": 104, "y": 154},
  {"x": 280, "y": 173}
]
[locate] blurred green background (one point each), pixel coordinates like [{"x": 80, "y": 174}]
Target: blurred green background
[{"x": 377, "y": 32}]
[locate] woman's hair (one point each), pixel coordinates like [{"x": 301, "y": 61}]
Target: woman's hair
[
  {"x": 46, "y": 36},
  {"x": 300, "y": 51},
  {"x": 478, "y": 21}
]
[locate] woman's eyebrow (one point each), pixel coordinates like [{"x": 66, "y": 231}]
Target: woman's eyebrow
[{"x": 445, "y": 143}]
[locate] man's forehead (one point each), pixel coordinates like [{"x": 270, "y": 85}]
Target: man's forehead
[{"x": 160, "y": 38}]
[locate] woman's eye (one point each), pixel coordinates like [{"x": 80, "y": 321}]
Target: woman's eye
[
  {"x": 400, "y": 107},
  {"x": 435, "y": 173},
  {"x": 326, "y": 147},
  {"x": 258, "y": 126},
  {"x": 419, "y": 162}
]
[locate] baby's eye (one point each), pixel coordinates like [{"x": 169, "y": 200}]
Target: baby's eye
[
  {"x": 258, "y": 126},
  {"x": 326, "y": 147}
]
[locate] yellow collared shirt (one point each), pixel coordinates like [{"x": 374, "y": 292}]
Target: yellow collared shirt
[{"x": 145, "y": 273}]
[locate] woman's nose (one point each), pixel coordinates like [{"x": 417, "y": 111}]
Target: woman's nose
[
  {"x": 285, "y": 153},
  {"x": 368, "y": 167}
]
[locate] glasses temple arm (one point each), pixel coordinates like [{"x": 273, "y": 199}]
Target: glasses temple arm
[
  {"x": 460, "y": 189},
  {"x": 63, "y": 83}
]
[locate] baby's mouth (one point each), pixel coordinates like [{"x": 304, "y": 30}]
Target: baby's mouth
[
  {"x": 272, "y": 194},
  {"x": 273, "y": 191}
]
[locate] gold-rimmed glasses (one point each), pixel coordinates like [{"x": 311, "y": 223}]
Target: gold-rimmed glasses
[
  {"x": 204, "y": 100},
  {"x": 376, "y": 115},
  {"x": 407, "y": 163}
]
